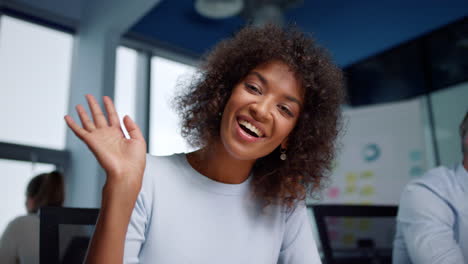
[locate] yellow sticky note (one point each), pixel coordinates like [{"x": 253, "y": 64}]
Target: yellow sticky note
[
  {"x": 350, "y": 189},
  {"x": 367, "y": 174},
  {"x": 367, "y": 190},
  {"x": 351, "y": 177}
]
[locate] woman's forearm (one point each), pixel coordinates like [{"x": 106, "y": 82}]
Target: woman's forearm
[
  {"x": 124, "y": 160},
  {"x": 107, "y": 243}
]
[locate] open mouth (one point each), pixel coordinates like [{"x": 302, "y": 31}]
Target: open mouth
[{"x": 250, "y": 129}]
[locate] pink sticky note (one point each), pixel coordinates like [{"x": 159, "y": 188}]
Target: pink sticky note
[{"x": 333, "y": 192}]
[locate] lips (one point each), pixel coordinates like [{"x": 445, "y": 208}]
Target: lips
[{"x": 249, "y": 130}]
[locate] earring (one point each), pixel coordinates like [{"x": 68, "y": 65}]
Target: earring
[{"x": 283, "y": 155}]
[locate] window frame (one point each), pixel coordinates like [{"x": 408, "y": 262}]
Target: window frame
[
  {"x": 18, "y": 152},
  {"x": 11, "y": 151},
  {"x": 147, "y": 49},
  {"x": 35, "y": 17}
]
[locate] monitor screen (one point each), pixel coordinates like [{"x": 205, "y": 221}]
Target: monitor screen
[
  {"x": 73, "y": 242},
  {"x": 361, "y": 239}
]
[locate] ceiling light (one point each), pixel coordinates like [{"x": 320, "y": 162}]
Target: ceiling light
[{"x": 218, "y": 9}]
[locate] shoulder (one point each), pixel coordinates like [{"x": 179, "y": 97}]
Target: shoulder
[
  {"x": 20, "y": 224},
  {"x": 298, "y": 211},
  {"x": 432, "y": 195},
  {"x": 440, "y": 181},
  {"x": 298, "y": 242},
  {"x": 160, "y": 170},
  {"x": 162, "y": 162},
  {"x": 156, "y": 178},
  {"x": 24, "y": 220},
  {"x": 157, "y": 166}
]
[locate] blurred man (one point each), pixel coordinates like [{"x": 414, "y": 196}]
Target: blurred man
[{"x": 432, "y": 222}]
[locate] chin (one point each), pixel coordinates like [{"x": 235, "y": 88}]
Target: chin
[
  {"x": 243, "y": 152},
  {"x": 239, "y": 152}
]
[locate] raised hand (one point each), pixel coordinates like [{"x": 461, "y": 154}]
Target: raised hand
[{"x": 123, "y": 159}]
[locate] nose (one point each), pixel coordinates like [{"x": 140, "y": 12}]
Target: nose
[{"x": 260, "y": 110}]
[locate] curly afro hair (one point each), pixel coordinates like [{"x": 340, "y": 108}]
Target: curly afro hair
[{"x": 311, "y": 144}]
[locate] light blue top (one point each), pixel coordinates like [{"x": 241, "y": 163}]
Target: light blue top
[
  {"x": 432, "y": 222},
  {"x": 182, "y": 216}
]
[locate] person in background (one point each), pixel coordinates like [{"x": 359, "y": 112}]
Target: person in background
[
  {"x": 432, "y": 221},
  {"x": 20, "y": 241}
]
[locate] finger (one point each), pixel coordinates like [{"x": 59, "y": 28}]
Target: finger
[
  {"x": 79, "y": 131},
  {"x": 98, "y": 116},
  {"x": 132, "y": 128},
  {"x": 111, "y": 112},
  {"x": 87, "y": 123}
]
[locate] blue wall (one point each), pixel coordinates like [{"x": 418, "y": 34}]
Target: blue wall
[{"x": 354, "y": 30}]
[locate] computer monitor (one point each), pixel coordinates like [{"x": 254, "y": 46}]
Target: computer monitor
[
  {"x": 65, "y": 234},
  {"x": 356, "y": 234}
]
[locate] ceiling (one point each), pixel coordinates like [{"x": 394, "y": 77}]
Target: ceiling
[{"x": 352, "y": 30}]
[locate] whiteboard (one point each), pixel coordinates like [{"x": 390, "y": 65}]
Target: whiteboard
[{"x": 382, "y": 148}]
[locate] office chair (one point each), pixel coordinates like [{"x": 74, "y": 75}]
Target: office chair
[{"x": 65, "y": 233}]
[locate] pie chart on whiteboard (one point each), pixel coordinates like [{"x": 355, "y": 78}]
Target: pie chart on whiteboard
[{"x": 371, "y": 152}]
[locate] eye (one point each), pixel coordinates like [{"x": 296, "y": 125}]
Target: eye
[
  {"x": 252, "y": 88},
  {"x": 285, "y": 110}
]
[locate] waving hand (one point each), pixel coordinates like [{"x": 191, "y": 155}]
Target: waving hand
[{"x": 123, "y": 159}]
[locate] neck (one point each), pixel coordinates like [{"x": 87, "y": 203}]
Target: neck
[{"x": 217, "y": 164}]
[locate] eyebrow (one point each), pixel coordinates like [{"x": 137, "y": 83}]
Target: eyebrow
[
  {"x": 262, "y": 79},
  {"x": 288, "y": 97},
  {"x": 293, "y": 99}
]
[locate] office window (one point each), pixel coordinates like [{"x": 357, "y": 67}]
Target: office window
[
  {"x": 34, "y": 83},
  {"x": 16, "y": 176},
  {"x": 449, "y": 107},
  {"x": 164, "y": 130},
  {"x": 125, "y": 83}
]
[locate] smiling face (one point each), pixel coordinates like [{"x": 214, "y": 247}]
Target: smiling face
[{"x": 261, "y": 112}]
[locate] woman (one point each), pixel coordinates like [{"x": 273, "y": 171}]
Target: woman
[
  {"x": 264, "y": 111},
  {"x": 20, "y": 241}
]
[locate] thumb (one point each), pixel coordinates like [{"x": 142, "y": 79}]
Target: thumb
[{"x": 132, "y": 128}]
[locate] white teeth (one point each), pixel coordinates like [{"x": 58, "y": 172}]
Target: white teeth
[{"x": 251, "y": 127}]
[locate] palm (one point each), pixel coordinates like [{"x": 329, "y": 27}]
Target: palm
[{"x": 116, "y": 154}]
